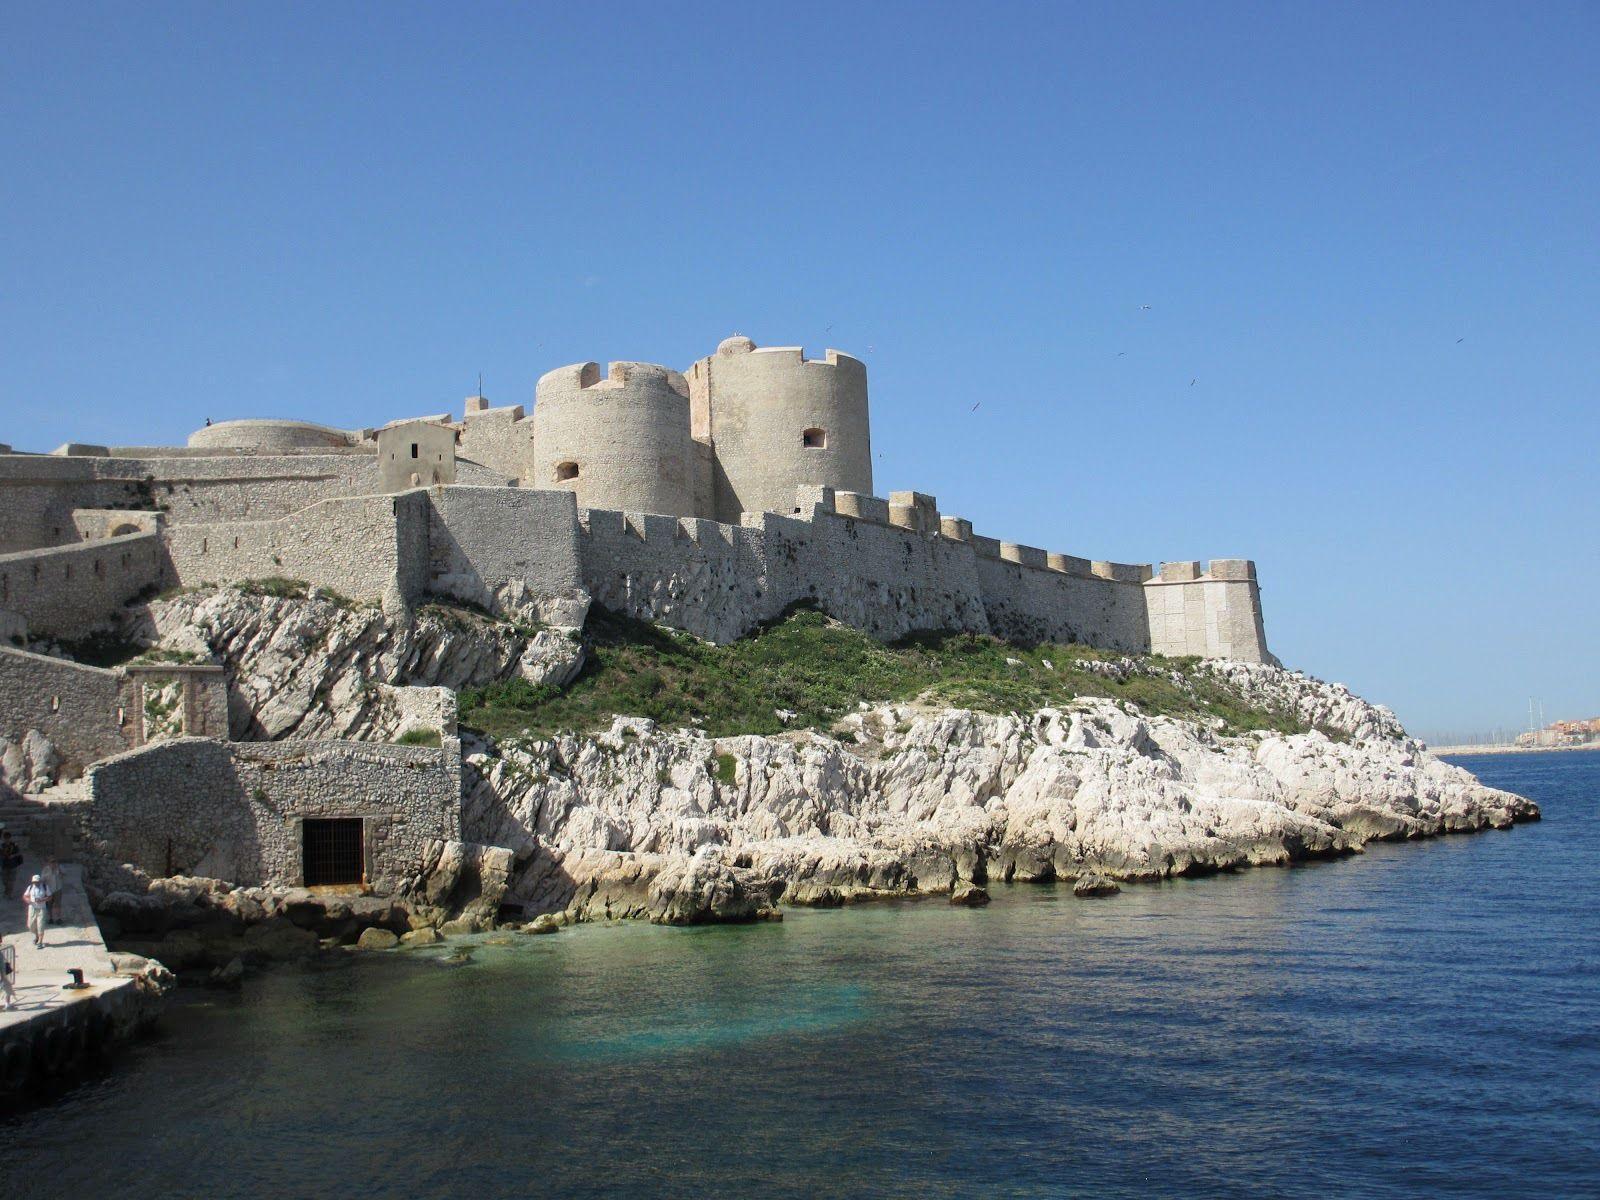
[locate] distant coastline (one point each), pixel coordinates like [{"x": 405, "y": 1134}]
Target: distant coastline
[{"x": 1506, "y": 748}]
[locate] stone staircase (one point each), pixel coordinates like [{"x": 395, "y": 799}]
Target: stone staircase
[{"x": 45, "y": 822}]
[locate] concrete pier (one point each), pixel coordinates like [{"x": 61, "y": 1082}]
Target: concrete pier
[{"x": 52, "y": 1032}]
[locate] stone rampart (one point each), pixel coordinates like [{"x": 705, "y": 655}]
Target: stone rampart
[
  {"x": 894, "y": 567},
  {"x": 508, "y": 550},
  {"x": 500, "y": 439},
  {"x": 1212, "y": 613},
  {"x": 352, "y": 546},
  {"x": 699, "y": 576},
  {"x": 235, "y": 810},
  {"x": 65, "y": 591}
]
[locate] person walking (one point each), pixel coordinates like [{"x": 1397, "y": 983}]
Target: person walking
[
  {"x": 8, "y": 974},
  {"x": 37, "y": 897},
  {"x": 10, "y": 860},
  {"x": 51, "y": 874}
]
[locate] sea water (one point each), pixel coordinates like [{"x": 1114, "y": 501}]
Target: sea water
[{"x": 1419, "y": 1020}]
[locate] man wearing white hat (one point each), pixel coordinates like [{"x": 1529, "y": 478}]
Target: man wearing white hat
[{"x": 36, "y": 896}]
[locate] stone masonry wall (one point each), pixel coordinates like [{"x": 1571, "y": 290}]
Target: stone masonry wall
[
  {"x": 66, "y": 590},
  {"x": 350, "y": 546},
  {"x": 893, "y": 567},
  {"x": 86, "y": 712},
  {"x": 509, "y": 550},
  {"x": 233, "y": 810},
  {"x": 1212, "y": 614}
]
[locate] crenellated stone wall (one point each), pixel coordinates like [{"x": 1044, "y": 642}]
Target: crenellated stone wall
[{"x": 892, "y": 567}]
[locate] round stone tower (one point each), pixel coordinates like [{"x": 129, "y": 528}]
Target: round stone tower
[
  {"x": 621, "y": 442},
  {"x": 776, "y": 420}
]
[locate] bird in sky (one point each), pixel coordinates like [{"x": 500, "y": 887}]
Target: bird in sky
[
  {"x": 829, "y": 329},
  {"x": 975, "y": 406},
  {"x": 1460, "y": 340},
  {"x": 1144, "y": 308},
  {"x": 1120, "y": 353},
  {"x": 1191, "y": 383}
]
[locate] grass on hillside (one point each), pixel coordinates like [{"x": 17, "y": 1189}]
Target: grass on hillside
[{"x": 819, "y": 670}]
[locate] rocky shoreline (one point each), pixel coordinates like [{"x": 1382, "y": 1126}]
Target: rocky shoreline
[{"x": 674, "y": 826}]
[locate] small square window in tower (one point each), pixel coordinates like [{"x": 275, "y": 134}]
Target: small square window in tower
[
  {"x": 333, "y": 851},
  {"x": 814, "y": 439}
]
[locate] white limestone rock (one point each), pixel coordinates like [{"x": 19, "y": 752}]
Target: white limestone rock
[
  {"x": 902, "y": 801},
  {"x": 318, "y": 667}
]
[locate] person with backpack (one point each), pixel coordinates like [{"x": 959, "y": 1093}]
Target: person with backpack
[{"x": 37, "y": 897}]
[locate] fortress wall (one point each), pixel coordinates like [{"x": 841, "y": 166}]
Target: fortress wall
[
  {"x": 234, "y": 810},
  {"x": 38, "y": 493},
  {"x": 1032, "y": 603},
  {"x": 86, "y": 712},
  {"x": 65, "y": 591},
  {"x": 351, "y": 546},
  {"x": 695, "y": 575},
  {"x": 883, "y": 579},
  {"x": 505, "y": 549},
  {"x": 500, "y": 439},
  {"x": 1213, "y": 614}
]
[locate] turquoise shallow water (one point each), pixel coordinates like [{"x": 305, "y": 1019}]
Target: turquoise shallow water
[{"x": 1421, "y": 1020}]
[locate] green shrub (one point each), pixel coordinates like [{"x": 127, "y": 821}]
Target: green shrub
[
  {"x": 820, "y": 670},
  {"x": 419, "y": 737},
  {"x": 276, "y": 585},
  {"x": 727, "y": 769}
]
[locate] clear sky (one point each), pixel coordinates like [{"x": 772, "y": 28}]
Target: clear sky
[{"x": 1368, "y": 237}]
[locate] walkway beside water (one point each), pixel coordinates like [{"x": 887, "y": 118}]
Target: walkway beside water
[{"x": 53, "y": 1029}]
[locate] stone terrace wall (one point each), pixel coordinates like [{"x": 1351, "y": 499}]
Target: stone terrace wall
[
  {"x": 233, "y": 810},
  {"x": 360, "y": 547},
  {"x": 87, "y": 713},
  {"x": 39, "y": 492},
  {"x": 66, "y": 590}
]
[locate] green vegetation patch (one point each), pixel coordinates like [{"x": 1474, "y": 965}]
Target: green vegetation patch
[
  {"x": 419, "y": 737},
  {"x": 817, "y": 670},
  {"x": 276, "y": 585}
]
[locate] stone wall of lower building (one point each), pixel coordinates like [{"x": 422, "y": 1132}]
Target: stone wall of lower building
[
  {"x": 235, "y": 810},
  {"x": 39, "y": 493},
  {"x": 86, "y": 712}
]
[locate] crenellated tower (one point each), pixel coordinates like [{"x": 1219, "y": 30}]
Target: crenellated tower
[
  {"x": 618, "y": 442},
  {"x": 774, "y": 421}
]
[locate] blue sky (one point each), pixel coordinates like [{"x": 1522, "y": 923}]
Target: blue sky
[{"x": 1369, "y": 237}]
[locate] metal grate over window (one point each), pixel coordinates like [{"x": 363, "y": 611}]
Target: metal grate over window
[{"x": 332, "y": 849}]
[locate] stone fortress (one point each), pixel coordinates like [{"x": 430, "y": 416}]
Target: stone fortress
[{"x": 709, "y": 500}]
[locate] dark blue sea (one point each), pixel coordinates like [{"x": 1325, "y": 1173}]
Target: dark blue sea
[{"x": 1420, "y": 1020}]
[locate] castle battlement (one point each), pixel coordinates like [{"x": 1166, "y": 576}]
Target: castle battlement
[{"x": 708, "y": 499}]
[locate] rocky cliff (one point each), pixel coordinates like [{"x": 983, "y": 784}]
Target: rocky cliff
[{"x": 891, "y": 799}]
